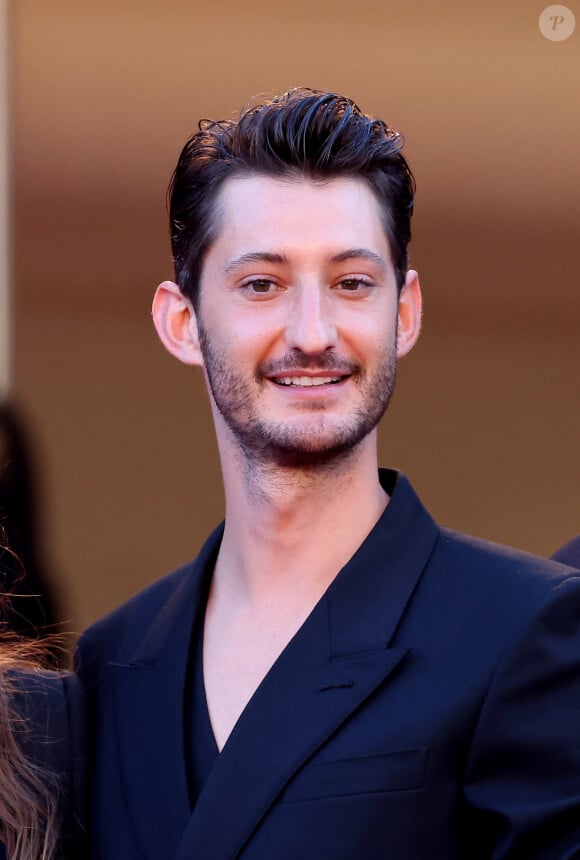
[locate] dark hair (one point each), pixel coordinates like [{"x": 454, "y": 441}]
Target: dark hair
[
  {"x": 23, "y": 570},
  {"x": 304, "y": 132}
]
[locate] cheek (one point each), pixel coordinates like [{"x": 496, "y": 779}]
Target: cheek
[
  {"x": 255, "y": 337},
  {"x": 372, "y": 338},
  {"x": 241, "y": 351}
]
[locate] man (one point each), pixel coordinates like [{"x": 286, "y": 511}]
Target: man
[{"x": 334, "y": 676}]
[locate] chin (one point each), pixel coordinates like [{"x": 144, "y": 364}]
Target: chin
[
  {"x": 304, "y": 450},
  {"x": 309, "y": 461}
]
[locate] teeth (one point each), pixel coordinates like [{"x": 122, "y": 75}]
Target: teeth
[{"x": 307, "y": 381}]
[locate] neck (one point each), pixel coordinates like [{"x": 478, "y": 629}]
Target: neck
[{"x": 290, "y": 530}]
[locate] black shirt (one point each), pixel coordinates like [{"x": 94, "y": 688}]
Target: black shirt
[{"x": 200, "y": 744}]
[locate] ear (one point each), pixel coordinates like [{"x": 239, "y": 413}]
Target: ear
[
  {"x": 410, "y": 304},
  {"x": 176, "y": 323}
]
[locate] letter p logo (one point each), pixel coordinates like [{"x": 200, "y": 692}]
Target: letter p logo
[{"x": 557, "y": 23}]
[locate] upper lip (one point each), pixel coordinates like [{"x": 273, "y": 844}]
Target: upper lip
[{"x": 288, "y": 374}]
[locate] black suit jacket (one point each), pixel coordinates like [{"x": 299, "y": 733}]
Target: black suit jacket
[{"x": 428, "y": 709}]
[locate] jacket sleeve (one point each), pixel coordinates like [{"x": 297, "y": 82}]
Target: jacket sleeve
[{"x": 522, "y": 779}]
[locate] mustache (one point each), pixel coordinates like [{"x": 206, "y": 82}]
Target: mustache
[{"x": 301, "y": 361}]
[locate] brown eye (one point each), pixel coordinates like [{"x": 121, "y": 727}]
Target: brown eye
[
  {"x": 260, "y": 286},
  {"x": 354, "y": 285}
]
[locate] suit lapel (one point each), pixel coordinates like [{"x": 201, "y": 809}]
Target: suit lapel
[
  {"x": 149, "y": 705},
  {"x": 336, "y": 660}
]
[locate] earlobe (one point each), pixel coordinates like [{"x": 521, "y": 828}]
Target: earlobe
[
  {"x": 175, "y": 321},
  {"x": 409, "y": 319}
]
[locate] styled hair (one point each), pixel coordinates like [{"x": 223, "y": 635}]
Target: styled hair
[{"x": 303, "y": 133}]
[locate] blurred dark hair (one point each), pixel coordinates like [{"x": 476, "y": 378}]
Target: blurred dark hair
[
  {"x": 23, "y": 569},
  {"x": 302, "y": 133}
]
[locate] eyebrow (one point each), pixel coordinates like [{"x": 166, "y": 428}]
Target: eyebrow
[
  {"x": 254, "y": 257},
  {"x": 360, "y": 254},
  {"x": 342, "y": 257}
]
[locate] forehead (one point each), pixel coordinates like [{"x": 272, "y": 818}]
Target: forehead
[{"x": 298, "y": 215}]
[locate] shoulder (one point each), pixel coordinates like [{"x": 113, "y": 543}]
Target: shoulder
[
  {"x": 51, "y": 729},
  {"x": 51, "y": 705},
  {"x": 569, "y": 553},
  {"x": 105, "y": 638},
  {"x": 486, "y": 565},
  {"x": 507, "y": 586},
  {"x": 117, "y": 635},
  {"x": 141, "y": 610},
  {"x": 476, "y": 575},
  {"x": 43, "y": 698}
]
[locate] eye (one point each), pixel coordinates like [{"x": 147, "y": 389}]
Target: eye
[
  {"x": 260, "y": 287},
  {"x": 354, "y": 285}
]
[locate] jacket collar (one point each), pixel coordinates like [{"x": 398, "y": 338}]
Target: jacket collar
[{"x": 340, "y": 655}]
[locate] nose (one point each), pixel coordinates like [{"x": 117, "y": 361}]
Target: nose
[{"x": 310, "y": 326}]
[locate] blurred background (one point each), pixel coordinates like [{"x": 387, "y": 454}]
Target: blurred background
[{"x": 101, "y": 97}]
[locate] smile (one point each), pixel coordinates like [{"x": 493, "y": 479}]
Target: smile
[{"x": 308, "y": 381}]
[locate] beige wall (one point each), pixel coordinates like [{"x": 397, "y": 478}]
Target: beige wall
[{"x": 485, "y": 419}]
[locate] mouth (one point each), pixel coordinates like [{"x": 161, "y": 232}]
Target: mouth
[{"x": 307, "y": 381}]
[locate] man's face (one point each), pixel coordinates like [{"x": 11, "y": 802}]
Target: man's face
[{"x": 297, "y": 317}]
